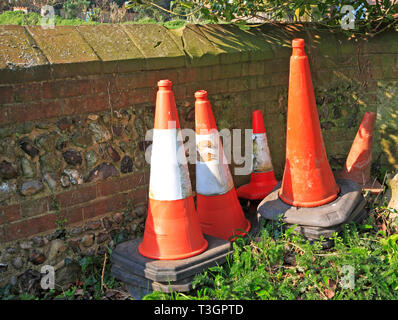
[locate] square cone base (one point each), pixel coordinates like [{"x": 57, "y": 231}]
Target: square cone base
[
  {"x": 142, "y": 275},
  {"x": 319, "y": 221}
]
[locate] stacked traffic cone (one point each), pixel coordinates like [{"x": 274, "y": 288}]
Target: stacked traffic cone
[
  {"x": 357, "y": 166},
  {"x": 262, "y": 178},
  {"x": 218, "y": 207},
  {"x": 309, "y": 195},
  {"x": 172, "y": 229},
  {"x": 308, "y": 180}
]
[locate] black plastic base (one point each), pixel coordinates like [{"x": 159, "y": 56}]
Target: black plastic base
[
  {"x": 317, "y": 221},
  {"x": 141, "y": 274}
]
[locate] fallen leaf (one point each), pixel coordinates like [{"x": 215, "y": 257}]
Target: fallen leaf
[{"x": 329, "y": 293}]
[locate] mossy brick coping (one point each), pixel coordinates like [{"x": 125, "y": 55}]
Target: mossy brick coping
[{"x": 31, "y": 53}]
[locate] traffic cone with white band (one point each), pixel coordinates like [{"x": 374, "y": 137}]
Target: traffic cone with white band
[
  {"x": 262, "y": 179},
  {"x": 172, "y": 229},
  {"x": 218, "y": 207}
]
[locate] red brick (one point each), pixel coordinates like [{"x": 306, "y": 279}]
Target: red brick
[
  {"x": 3, "y": 115},
  {"x": 100, "y": 85},
  {"x": 10, "y": 213},
  {"x": 34, "y": 111},
  {"x": 98, "y": 102},
  {"x": 105, "y": 205},
  {"x": 34, "y": 207},
  {"x": 30, "y": 227},
  {"x": 187, "y": 75},
  {"x": 133, "y": 181},
  {"x": 66, "y": 88},
  {"x": 140, "y": 179},
  {"x": 120, "y": 99},
  {"x": 129, "y": 81},
  {"x": 143, "y": 95},
  {"x": 117, "y": 202},
  {"x": 74, "y": 105},
  {"x": 74, "y": 197},
  {"x": 94, "y": 209},
  {"x": 6, "y": 94},
  {"x": 108, "y": 187},
  {"x": 73, "y": 215},
  {"x": 139, "y": 195},
  {"x": 27, "y": 92}
]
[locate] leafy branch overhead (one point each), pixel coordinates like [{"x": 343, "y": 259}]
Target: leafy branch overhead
[{"x": 370, "y": 16}]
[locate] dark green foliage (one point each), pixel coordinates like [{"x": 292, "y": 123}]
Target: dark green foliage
[{"x": 282, "y": 265}]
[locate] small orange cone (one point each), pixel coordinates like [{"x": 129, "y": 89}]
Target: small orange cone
[
  {"x": 308, "y": 180},
  {"x": 172, "y": 229},
  {"x": 357, "y": 166},
  {"x": 262, "y": 179},
  {"x": 218, "y": 207}
]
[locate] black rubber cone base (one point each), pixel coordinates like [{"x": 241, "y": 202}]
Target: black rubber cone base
[
  {"x": 317, "y": 221},
  {"x": 143, "y": 275}
]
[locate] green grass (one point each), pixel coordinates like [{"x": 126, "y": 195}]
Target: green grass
[
  {"x": 274, "y": 264},
  {"x": 31, "y": 19},
  {"x": 282, "y": 265}
]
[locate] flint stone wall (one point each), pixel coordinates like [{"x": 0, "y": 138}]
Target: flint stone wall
[{"x": 76, "y": 102}]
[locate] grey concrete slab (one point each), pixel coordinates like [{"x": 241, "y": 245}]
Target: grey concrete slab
[
  {"x": 126, "y": 256},
  {"x": 319, "y": 221},
  {"x": 328, "y": 215},
  {"x": 140, "y": 286}
]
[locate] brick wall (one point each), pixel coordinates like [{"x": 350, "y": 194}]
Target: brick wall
[{"x": 75, "y": 103}]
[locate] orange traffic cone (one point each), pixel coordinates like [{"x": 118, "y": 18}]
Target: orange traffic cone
[
  {"x": 172, "y": 229},
  {"x": 262, "y": 178},
  {"x": 218, "y": 207},
  {"x": 308, "y": 180},
  {"x": 357, "y": 166}
]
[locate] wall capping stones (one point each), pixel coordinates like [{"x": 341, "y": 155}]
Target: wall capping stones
[{"x": 31, "y": 53}]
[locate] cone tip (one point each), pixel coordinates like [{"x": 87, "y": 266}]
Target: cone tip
[
  {"x": 258, "y": 122},
  {"x": 298, "y": 43},
  {"x": 165, "y": 83},
  {"x": 201, "y": 94},
  {"x": 257, "y": 113}
]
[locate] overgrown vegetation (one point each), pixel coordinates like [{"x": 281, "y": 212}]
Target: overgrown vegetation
[
  {"x": 279, "y": 264},
  {"x": 371, "y": 17},
  {"x": 32, "y": 18},
  {"x": 275, "y": 264}
]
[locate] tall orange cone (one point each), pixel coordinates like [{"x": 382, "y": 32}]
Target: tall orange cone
[
  {"x": 262, "y": 178},
  {"x": 218, "y": 207},
  {"x": 308, "y": 180},
  {"x": 172, "y": 229},
  {"x": 309, "y": 196},
  {"x": 357, "y": 166}
]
